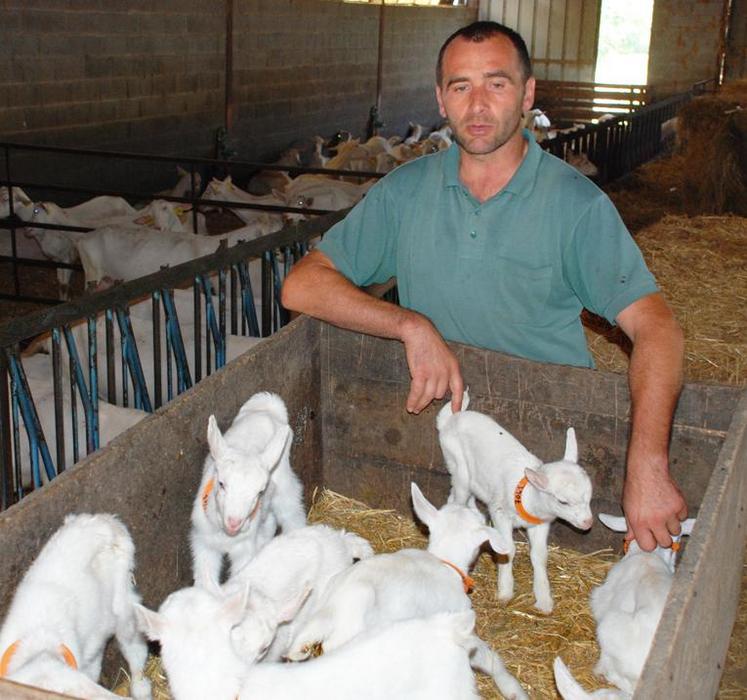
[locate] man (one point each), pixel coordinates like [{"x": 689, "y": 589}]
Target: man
[{"x": 497, "y": 244}]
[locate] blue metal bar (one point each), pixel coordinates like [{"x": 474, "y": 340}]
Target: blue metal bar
[
  {"x": 211, "y": 323},
  {"x": 93, "y": 381},
  {"x": 37, "y": 444},
  {"x": 78, "y": 377},
  {"x": 129, "y": 351},
  {"x": 249, "y": 312},
  {"x": 183, "y": 377}
]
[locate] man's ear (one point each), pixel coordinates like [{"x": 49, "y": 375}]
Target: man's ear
[
  {"x": 440, "y": 101},
  {"x": 528, "y": 101}
]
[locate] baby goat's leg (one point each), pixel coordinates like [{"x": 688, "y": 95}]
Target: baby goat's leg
[
  {"x": 486, "y": 660},
  {"x": 457, "y": 468},
  {"x": 505, "y": 571},
  {"x": 135, "y": 651},
  {"x": 206, "y": 562},
  {"x": 538, "y": 555}
]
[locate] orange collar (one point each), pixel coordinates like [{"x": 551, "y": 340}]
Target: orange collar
[
  {"x": 626, "y": 545},
  {"x": 8, "y": 654},
  {"x": 467, "y": 581},
  {"x": 206, "y": 493},
  {"x": 518, "y": 491}
]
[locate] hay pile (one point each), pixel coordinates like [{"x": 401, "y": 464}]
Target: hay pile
[
  {"x": 701, "y": 266},
  {"x": 712, "y": 135}
]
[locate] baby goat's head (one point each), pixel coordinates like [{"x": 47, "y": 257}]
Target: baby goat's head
[
  {"x": 242, "y": 476},
  {"x": 567, "y": 484},
  {"x": 193, "y": 626},
  {"x": 456, "y": 532},
  {"x": 668, "y": 555},
  {"x": 254, "y": 635}
]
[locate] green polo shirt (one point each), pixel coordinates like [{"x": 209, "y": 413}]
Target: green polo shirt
[{"x": 511, "y": 274}]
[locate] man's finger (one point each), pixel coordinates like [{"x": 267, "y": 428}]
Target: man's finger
[
  {"x": 417, "y": 387},
  {"x": 646, "y": 540},
  {"x": 674, "y": 526},
  {"x": 456, "y": 386}
]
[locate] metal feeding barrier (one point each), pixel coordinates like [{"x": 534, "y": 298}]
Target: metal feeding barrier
[{"x": 223, "y": 311}]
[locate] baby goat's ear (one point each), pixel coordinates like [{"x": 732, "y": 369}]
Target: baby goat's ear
[
  {"x": 423, "y": 508},
  {"x": 149, "y": 622},
  {"x": 537, "y": 479},
  {"x": 571, "y": 446},
  {"x": 614, "y": 522},
  {"x": 216, "y": 443},
  {"x": 497, "y": 543}
]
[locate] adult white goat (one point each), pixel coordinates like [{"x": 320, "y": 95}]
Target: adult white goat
[
  {"x": 410, "y": 583},
  {"x": 248, "y": 488},
  {"x": 486, "y": 462},
  {"x": 73, "y": 598},
  {"x": 627, "y": 608},
  {"x": 417, "y": 659}
]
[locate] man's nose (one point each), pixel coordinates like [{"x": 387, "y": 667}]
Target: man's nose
[{"x": 477, "y": 99}]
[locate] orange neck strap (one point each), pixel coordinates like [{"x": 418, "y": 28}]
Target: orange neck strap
[
  {"x": 206, "y": 491},
  {"x": 626, "y": 545},
  {"x": 8, "y": 654},
  {"x": 523, "y": 514},
  {"x": 467, "y": 581}
]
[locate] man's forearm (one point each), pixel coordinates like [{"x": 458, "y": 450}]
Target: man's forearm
[
  {"x": 655, "y": 377},
  {"x": 653, "y": 504},
  {"x": 315, "y": 288}
]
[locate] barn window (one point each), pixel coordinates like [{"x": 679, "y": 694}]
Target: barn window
[{"x": 624, "y": 36}]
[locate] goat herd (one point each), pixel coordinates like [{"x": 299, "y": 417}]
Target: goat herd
[{"x": 395, "y": 625}]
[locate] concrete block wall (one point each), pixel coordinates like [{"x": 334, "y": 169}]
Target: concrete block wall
[
  {"x": 138, "y": 76},
  {"x": 308, "y": 67},
  {"x": 111, "y": 73},
  {"x": 685, "y": 43},
  {"x": 412, "y": 39}
]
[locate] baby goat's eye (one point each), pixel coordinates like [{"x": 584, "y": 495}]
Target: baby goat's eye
[
  {"x": 221, "y": 485},
  {"x": 562, "y": 502}
]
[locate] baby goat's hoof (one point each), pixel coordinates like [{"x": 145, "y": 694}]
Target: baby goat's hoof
[{"x": 544, "y": 606}]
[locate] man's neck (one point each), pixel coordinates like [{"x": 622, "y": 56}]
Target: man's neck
[{"x": 486, "y": 175}]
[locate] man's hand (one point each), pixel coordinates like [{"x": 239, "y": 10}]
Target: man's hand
[
  {"x": 653, "y": 506},
  {"x": 433, "y": 366}
]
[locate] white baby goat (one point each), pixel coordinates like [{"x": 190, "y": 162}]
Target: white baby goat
[
  {"x": 486, "y": 462},
  {"x": 417, "y": 659},
  {"x": 287, "y": 570},
  {"x": 73, "y": 598},
  {"x": 410, "y": 583},
  {"x": 248, "y": 487},
  {"x": 627, "y": 608}
]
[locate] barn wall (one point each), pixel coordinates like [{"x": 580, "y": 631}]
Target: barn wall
[
  {"x": 685, "y": 44},
  {"x": 125, "y": 73},
  {"x": 150, "y": 77},
  {"x": 561, "y": 35},
  {"x": 306, "y": 67},
  {"x": 736, "y": 47}
]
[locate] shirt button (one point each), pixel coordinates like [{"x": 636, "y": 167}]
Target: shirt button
[{"x": 473, "y": 234}]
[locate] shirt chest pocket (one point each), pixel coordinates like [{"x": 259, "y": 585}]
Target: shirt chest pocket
[{"x": 510, "y": 289}]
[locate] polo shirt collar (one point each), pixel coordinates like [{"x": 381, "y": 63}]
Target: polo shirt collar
[{"x": 521, "y": 184}]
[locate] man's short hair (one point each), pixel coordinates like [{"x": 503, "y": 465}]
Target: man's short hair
[{"x": 479, "y": 31}]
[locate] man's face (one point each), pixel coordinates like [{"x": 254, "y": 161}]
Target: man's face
[{"x": 482, "y": 93}]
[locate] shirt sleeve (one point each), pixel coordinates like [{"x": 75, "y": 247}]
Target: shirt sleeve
[
  {"x": 363, "y": 245},
  {"x": 603, "y": 264}
]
